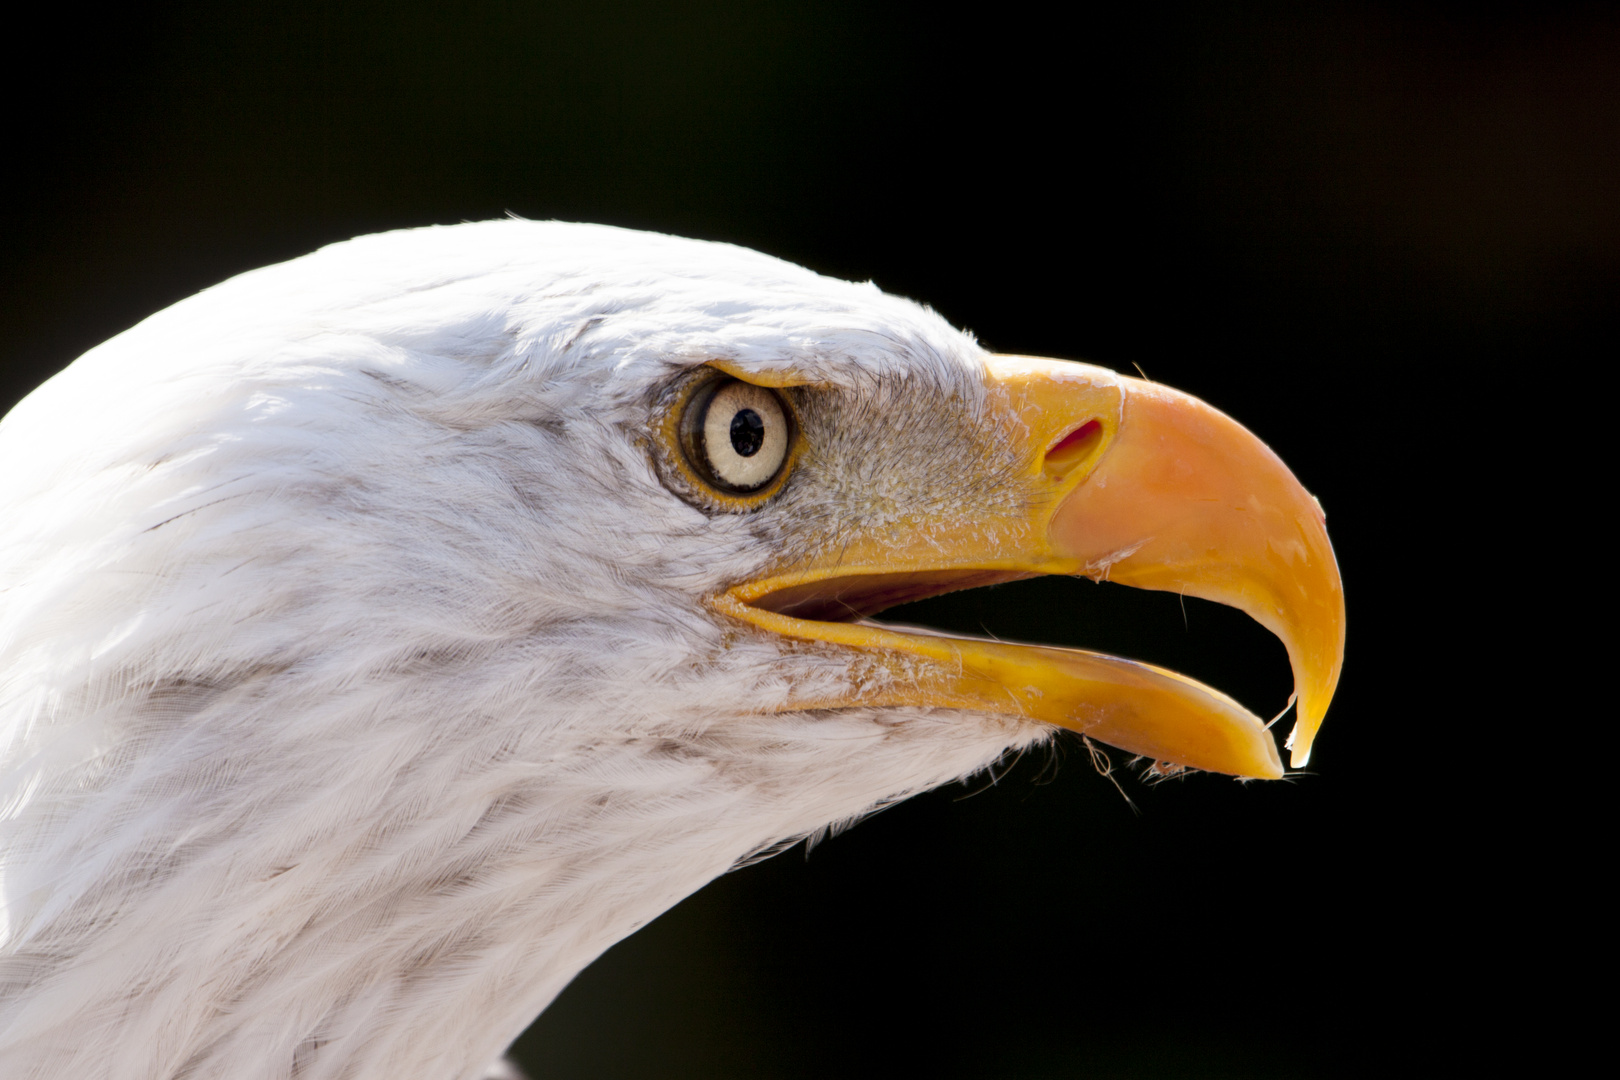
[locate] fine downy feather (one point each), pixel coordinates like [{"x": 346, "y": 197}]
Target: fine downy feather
[{"x": 356, "y": 688}]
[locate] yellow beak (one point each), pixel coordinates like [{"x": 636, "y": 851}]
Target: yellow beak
[{"x": 1127, "y": 481}]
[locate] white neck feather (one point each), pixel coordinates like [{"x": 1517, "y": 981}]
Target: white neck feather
[{"x": 405, "y": 907}]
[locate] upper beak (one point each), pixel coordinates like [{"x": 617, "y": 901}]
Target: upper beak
[{"x": 1127, "y": 481}]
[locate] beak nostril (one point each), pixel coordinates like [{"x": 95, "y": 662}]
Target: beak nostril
[{"x": 1072, "y": 449}]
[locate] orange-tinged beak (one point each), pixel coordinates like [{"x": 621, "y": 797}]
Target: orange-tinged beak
[
  {"x": 1125, "y": 480},
  {"x": 1187, "y": 500}
]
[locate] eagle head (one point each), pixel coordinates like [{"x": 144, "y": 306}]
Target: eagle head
[{"x": 388, "y": 632}]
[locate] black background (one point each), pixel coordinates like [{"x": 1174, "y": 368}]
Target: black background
[{"x": 1387, "y": 239}]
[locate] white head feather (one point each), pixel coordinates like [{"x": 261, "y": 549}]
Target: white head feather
[{"x": 355, "y": 685}]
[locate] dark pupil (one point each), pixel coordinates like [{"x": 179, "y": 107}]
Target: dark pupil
[{"x": 747, "y": 432}]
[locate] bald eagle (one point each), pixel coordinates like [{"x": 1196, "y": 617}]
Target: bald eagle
[{"x": 388, "y": 632}]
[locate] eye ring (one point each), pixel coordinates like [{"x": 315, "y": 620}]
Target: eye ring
[
  {"x": 683, "y": 465},
  {"x": 737, "y": 437}
]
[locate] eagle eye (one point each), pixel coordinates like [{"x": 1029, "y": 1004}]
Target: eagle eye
[{"x": 736, "y": 435}]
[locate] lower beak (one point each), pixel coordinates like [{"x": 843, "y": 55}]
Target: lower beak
[{"x": 1130, "y": 482}]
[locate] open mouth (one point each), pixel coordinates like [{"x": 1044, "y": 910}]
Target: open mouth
[
  {"x": 1210, "y": 642},
  {"x": 1137, "y": 707},
  {"x": 853, "y": 597},
  {"x": 1129, "y": 482}
]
